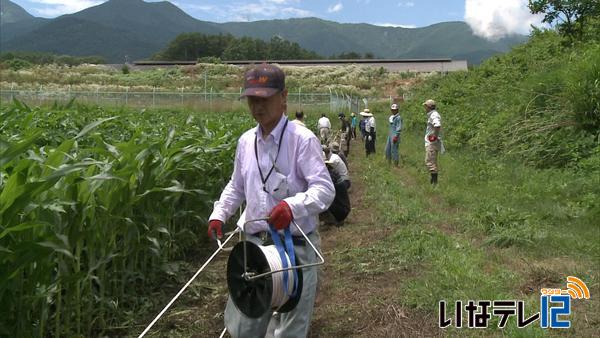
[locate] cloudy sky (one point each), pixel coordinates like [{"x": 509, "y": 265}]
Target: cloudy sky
[{"x": 488, "y": 18}]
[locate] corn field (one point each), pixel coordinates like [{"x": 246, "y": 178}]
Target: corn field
[{"x": 94, "y": 203}]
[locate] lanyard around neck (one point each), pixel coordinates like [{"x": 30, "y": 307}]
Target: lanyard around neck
[{"x": 262, "y": 178}]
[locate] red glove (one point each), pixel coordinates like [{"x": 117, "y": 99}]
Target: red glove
[
  {"x": 432, "y": 138},
  {"x": 215, "y": 226},
  {"x": 281, "y": 216},
  {"x": 395, "y": 139}
]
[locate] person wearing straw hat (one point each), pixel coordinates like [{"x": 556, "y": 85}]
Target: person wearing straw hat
[
  {"x": 433, "y": 141},
  {"x": 279, "y": 173},
  {"x": 393, "y": 139},
  {"x": 324, "y": 126},
  {"x": 370, "y": 134}
]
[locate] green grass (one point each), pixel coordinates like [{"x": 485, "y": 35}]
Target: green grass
[{"x": 488, "y": 231}]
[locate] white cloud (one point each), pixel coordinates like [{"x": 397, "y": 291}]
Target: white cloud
[
  {"x": 406, "y": 4},
  {"x": 335, "y": 8},
  {"x": 494, "y": 19},
  {"x": 296, "y": 12},
  {"x": 395, "y": 25},
  {"x": 263, "y": 9},
  {"x": 52, "y": 8},
  {"x": 193, "y": 7}
]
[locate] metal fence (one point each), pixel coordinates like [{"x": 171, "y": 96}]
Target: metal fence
[{"x": 209, "y": 100}]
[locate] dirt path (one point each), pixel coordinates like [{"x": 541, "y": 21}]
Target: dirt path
[{"x": 353, "y": 301}]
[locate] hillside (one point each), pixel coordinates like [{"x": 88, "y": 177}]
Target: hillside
[
  {"x": 11, "y": 12},
  {"x": 14, "y": 21},
  {"x": 538, "y": 104},
  {"x": 114, "y": 30},
  {"x": 140, "y": 29},
  {"x": 448, "y": 39}
]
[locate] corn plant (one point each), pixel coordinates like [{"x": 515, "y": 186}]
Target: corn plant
[{"x": 94, "y": 204}]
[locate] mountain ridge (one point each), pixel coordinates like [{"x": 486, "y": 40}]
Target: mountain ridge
[{"x": 135, "y": 29}]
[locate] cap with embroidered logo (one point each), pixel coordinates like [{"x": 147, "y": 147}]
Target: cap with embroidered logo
[{"x": 263, "y": 80}]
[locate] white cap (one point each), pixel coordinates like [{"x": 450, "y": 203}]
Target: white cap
[
  {"x": 429, "y": 103},
  {"x": 394, "y": 107}
]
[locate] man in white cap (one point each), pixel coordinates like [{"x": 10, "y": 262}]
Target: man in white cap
[
  {"x": 433, "y": 142},
  {"x": 393, "y": 139},
  {"x": 280, "y": 174}
]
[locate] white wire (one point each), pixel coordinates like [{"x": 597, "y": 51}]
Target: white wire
[
  {"x": 280, "y": 293},
  {"x": 187, "y": 284},
  {"x": 280, "y": 296}
]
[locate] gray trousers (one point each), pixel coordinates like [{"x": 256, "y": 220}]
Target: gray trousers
[{"x": 291, "y": 324}]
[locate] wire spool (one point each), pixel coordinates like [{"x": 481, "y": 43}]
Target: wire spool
[{"x": 255, "y": 297}]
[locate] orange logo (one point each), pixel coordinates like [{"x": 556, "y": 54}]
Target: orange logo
[
  {"x": 260, "y": 80},
  {"x": 576, "y": 288}
]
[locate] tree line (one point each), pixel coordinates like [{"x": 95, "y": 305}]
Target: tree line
[
  {"x": 212, "y": 48},
  {"x": 23, "y": 59},
  {"x": 196, "y": 46}
]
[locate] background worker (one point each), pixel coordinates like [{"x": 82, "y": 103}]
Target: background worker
[
  {"x": 324, "y": 126},
  {"x": 335, "y": 148},
  {"x": 361, "y": 125},
  {"x": 345, "y": 134},
  {"x": 279, "y": 172},
  {"x": 340, "y": 207},
  {"x": 338, "y": 166},
  {"x": 353, "y": 124},
  {"x": 369, "y": 132},
  {"x": 299, "y": 118},
  {"x": 393, "y": 139},
  {"x": 433, "y": 142}
]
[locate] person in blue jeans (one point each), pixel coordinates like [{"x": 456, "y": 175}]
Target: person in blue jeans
[{"x": 393, "y": 140}]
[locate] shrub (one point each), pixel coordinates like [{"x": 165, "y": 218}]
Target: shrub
[{"x": 18, "y": 64}]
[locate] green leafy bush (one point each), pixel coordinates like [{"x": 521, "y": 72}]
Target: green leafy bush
[
  {"x": 18, "y": 64},
  {"x": 537, "y": 104}
]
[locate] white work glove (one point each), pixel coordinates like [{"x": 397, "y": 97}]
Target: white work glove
[{"x": 369, "y": 138}]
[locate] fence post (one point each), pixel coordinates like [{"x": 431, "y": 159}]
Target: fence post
[
  {"x": 182, "y": 96},
  {"x": 126, "y": 95},
  {"x": 211, "y": 98},
  {"x": 330, "y": 99},
  {"x": 153, "y": 96},
  {"x": 97, "y": 95},
  {"x": 12, "y": 93},
  {"x": 205, "y": 86}
]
